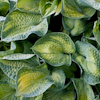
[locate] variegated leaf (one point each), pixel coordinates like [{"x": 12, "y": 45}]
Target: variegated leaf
[
  {"x": 19, "y": 25},
  {"x": 55, "y": 48},
  {"x": 33, "y": 82},
  {"x": 29, "y": 5},
  {"x": 87, "y": 56},
  {"x": 73, "y": 9},
  {"x": 59, "y": 78}
]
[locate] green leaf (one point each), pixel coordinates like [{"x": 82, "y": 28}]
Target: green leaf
[
  {"x": 68, "y": 70},
  {"x": 5, "y": 78},
  {"x": 87, "y": 56},
  {"x": 6, "y": 92},
  {"x": 27, "y": 45},
  {"x": 48, "y": 7},
  {"x": 7, "y": 52},
  {"x": 83, "y": 89},
  {"x": 75, "y": 26},
  {"x": 33, "y": 82},
  {"x": 96, "y": 31},
  {"x": 55, "y": 94},
  {"x": 59, "y": 78},
  {"x": 19, "y": 25},
  {"x": 55, "y": 48},
  {"x": 73, "y": 9},
  {"x": 4, "y": 7},
  {"x": 12, "y": 5},
  {"x": 29, "y": 5},
  {"x": 58, "y": 9},
  {"x": 11, "y": 68}
]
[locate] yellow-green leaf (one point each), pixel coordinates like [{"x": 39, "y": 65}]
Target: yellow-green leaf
[
  {"x": 55, "y": 48},
  {"x": 83, "y": 89},
  {"x": 19, "y": 25},
  {"x": 48, "y": 7},
  {"x": 73, "y": 9},
  {"x": 11, "y": 68},
  {"x": 87, "y": 56},
  {"x": 75, "y": 26},
  {"x": 96, "y": 31},
  {"x": 4, "y": 7},
  {"x": 6, "y": 92},
  {"x": 59, "y": 78},
  {"x": 29, "y": 5},
  {"x": 33, "y": 82}
]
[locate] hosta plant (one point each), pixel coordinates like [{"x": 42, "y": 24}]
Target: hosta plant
[{"x": 49, "y": 49}]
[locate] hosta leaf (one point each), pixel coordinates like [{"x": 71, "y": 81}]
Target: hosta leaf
[
  {"x": 68, "y": 70},
  {"x": 58, "y": 9},
  {"x": 11, "y": 68},
  {"x": 75, "y": 26},
  {"x": 17, "y": 56},
  {"x": 4, "y": 7},
  {"x": 92, "y": 3},
  {"x": 12, "y": 5},
  {"x": 33, "y": 98},
  {"x": 48, "y": 7},
  {"x": 58, "y": 77},
  {"x": 5, "y": 78},
  {"x": 87, "y": 57},
  {"x": 55, "y": 48},
  {"x": 7, "y": 52},
  {"x": 33, "y": 62},
  {"x": 83, "y": 89},
  {"x": 29, "y": 5},
  {"x": 19, "y": 25},
  {"x": 97, "y": 98},
  {"x": 27, "y": 45},
  {"x": 73, "y": 9},
  {"x": 6, "y": 92},
  {"x": 96, "y": 32},
  {"x": 55, "y": 94},
  {"x": 13, "y": 0},
  {"x": 33, "y": 82}
]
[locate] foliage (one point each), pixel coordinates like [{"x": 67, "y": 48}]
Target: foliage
[{"x": 49, "y": 50}]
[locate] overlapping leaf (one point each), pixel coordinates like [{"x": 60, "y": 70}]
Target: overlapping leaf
[
  {"x": 75, "y": 26},
  {"x": 48, "y": 7},
  {"x": 68, "y": 70},
  {"x": 11, "y": 68},
  {"x": 96, "y": 32},
  {"x": 7, "y": 92},
  {"x": 8, "y": 52},
  {"x": 4, "y": 7},
  {"x": 73, "y": 9},
  {"x": 33, "y": 98},
  {"x": 83, "y": 89},
  {"x": 87, "y": 56},
  {"x": 55, "y": 48},
  {"x": 29, "y": 5},
  {"x": 33, "y": 82},
  {"x": 55, "y": 94},
  {"x": 19, "y": 25},
  {"x": 59, "y": 78},
  {"x": 91, "y": 3}
]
